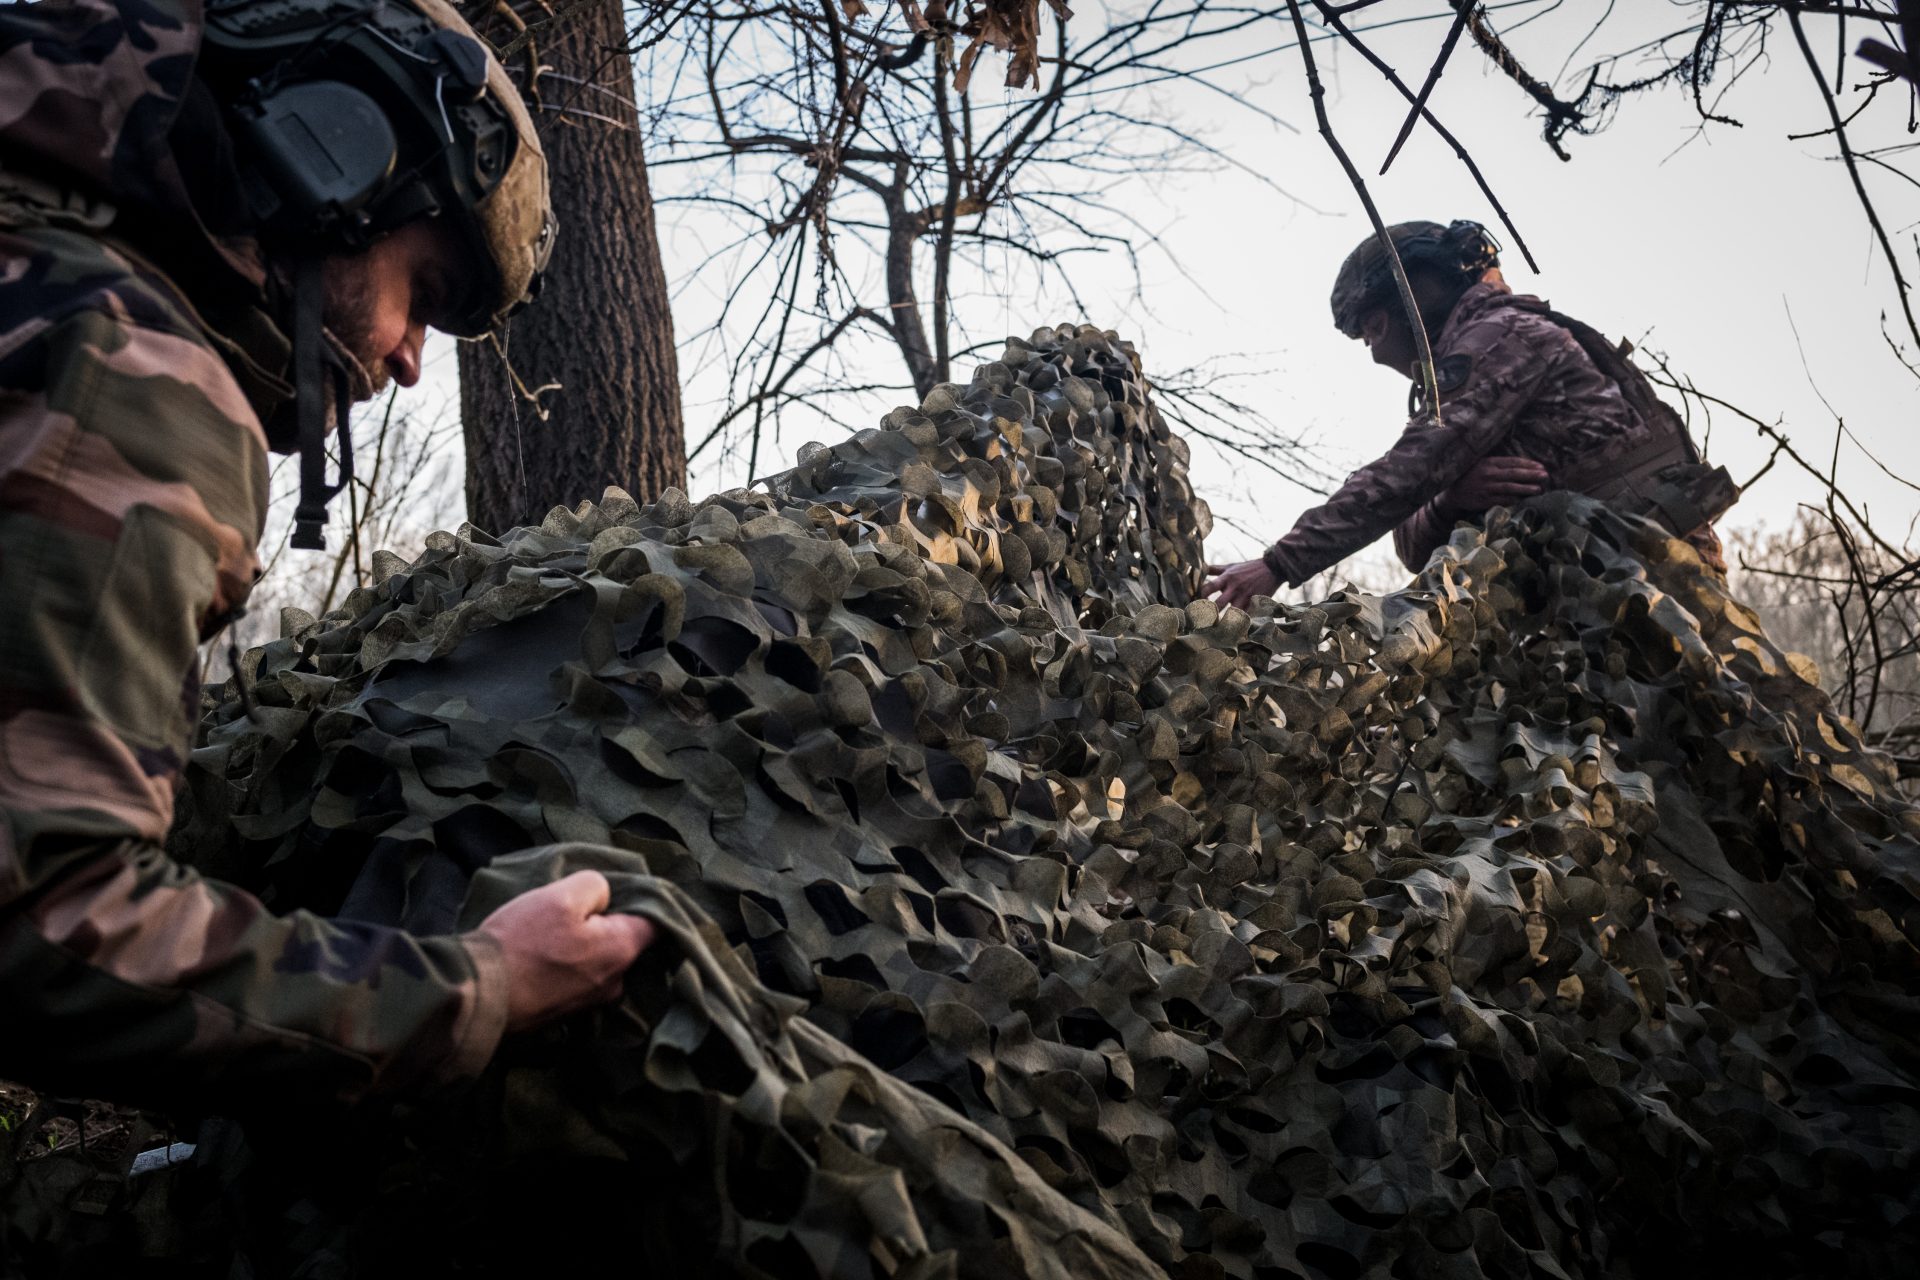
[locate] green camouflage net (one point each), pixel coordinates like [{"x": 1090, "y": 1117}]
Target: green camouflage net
[{"x": 1026, "y": 917}]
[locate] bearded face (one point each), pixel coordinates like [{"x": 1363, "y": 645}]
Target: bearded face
[
  {"x": 349, "y": 313},
  {"x": 381, "y": 301}
]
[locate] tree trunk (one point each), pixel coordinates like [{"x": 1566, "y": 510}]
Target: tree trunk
[
  {"x": 904, "y": 230},
  {"x": 582, "y": 389}
]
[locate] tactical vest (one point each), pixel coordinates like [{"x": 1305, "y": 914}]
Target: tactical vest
[{"x": 1659, "y": 474}]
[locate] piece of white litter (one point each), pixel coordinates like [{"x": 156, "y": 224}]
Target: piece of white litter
[{"x": 161, "y": 1158}]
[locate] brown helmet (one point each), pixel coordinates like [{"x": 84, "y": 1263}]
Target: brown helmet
[
  {"x": 1463, "y": 250},
  {"x": 512, "y": 227}
]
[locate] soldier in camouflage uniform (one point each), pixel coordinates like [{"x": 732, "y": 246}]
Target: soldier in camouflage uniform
[
  {"x": 1530, "y": 400},
  {"x": 144, "y": 356}
]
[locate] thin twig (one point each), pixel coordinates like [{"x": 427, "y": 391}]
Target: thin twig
[
  {"x": 1461, "y": 13},
  {"x": 1429, "y": 380},
  {"x": 1853, "y": 172}
]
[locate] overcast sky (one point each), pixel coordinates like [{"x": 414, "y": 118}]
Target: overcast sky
[{"x": 1714, "y": 247}]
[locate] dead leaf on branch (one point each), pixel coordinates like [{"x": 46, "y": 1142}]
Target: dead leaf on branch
[{"x": 1010, "y": 26}]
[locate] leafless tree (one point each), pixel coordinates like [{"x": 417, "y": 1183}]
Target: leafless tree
[
  {"x": 902, "y": 197},
  {"x": 1827, "y": 587}
]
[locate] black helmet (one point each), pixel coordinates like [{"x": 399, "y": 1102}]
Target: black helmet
[{"x": 1460, "y": 251}]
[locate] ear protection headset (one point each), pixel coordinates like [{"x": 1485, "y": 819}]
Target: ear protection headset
[{"x": 1470, "y": 248}]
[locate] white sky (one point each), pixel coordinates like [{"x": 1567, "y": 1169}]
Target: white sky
[{"x": 1701, "y": 243}]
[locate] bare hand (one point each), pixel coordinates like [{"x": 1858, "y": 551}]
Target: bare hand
[
  {"x": 1493, "y": 482},
  {"x": 1239, "y": 583},
  {"x": 563, "y": 952}
]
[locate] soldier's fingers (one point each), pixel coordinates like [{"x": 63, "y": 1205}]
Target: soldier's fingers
[
  {"x": 585, "y": 893},
  {"x": 623, "y": 936}
]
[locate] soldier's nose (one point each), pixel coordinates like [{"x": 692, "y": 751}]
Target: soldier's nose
[{"x": 403, "y": 362}]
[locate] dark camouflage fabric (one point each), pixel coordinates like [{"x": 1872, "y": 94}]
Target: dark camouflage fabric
[
  {"x": 1512, "y": 382},
  {"x": 1025, "y": 916},
  {"x": 133, "y": 488}
]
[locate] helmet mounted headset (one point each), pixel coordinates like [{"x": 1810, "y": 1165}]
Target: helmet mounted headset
[
  {"x": 351, "y": 118},
  {"x": 1458, "y": 253}
]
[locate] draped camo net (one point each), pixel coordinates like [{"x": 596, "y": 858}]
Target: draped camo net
[{"x": 1023, "y": 916}]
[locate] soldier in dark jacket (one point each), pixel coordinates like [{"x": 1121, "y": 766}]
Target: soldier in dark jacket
[
  {"x": 1529, "y": 400},
  {"x": 149, "y": 341}
]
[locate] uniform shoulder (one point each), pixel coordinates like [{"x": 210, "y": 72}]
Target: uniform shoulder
[
  {"x": 48, "y": 274},
  {"x": 1487, "y": 317},
  {"x": 92, "y": 89}
]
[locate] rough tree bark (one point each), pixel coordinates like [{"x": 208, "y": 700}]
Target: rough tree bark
[
  {"x": 582, "y": 390},
  {"x": 904, "y": 229}
]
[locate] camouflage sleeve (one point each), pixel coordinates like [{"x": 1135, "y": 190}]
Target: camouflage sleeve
[
  {"x": 88, "y": 90},
  {"x": 1489, "y": 368},
  {"x": 132, "y": 489},
  {"x": 1415, "y": 537}
]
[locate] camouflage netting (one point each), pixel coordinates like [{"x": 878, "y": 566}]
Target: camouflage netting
[{"x": 1026, "y": 917}]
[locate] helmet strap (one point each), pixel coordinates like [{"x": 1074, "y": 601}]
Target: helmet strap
[{"x": 316, "y": 373}]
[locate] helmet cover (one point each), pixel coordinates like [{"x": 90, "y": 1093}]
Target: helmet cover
[
  {"x": 513, "y": 223},
  {"x": 1462, "y": 250}
]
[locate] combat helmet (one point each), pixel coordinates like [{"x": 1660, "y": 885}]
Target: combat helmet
[
  {"x": 350, "y": 119},
  {"x": 1461, "y": 251}
]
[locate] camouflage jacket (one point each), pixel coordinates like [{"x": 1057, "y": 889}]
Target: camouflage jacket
[
  {"x": 1511, "y": 382},
  {"x": 133, "y": 490}
]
